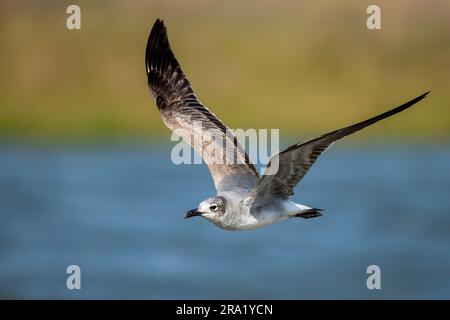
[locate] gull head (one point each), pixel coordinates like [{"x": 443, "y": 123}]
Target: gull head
[{"x": 212, "y": 209}]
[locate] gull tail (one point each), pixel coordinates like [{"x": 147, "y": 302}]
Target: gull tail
[{"x": 310, "y": 213}]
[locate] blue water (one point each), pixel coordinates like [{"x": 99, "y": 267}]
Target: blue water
[{"x": 117, "y": 212}]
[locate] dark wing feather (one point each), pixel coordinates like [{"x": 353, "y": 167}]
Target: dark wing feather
[
  {"x": 295, "y": 161},
  {"x": 183, "y": 113}
]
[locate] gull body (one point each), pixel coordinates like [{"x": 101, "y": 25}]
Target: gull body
[
  {"x": 240, "y": 216},
  {"x": 244, "y": 200}
]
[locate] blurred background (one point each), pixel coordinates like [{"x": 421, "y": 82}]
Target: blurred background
[{"x": 86, "y": 176}]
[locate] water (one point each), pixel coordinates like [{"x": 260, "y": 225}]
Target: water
[{"x": 117, "y": 212}]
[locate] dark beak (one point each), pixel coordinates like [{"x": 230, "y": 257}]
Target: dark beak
[{"x": 192, "y": 213}]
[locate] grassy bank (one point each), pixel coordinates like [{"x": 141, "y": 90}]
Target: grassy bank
[{"x": 304, "y": 67}]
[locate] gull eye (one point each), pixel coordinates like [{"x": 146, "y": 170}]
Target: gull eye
[{"x": 213, "y": 207}]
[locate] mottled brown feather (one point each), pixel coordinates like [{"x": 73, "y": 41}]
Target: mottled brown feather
[
  {"x": 180, "y": 109},
  {"x": 295, "y": 161}
]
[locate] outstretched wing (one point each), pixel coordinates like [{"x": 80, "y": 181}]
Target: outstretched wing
[
  {"x": 294, "y": 162},
  {"x": 183, "y": 113}
]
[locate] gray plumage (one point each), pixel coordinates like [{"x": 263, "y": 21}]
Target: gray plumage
[
  {"x": 179, "y": 108},
  {"x": 244, "y": 200}
]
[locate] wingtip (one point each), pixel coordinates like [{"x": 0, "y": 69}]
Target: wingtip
[
  {"x": 411, "y": 102},
  {"x": 156, "y": 39},
  {"x": 159, "y": 21},
  {"x": 423, "y": 95},
  {"x": 157, "y": 30}
]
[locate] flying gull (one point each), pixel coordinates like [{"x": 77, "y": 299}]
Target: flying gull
[{"x": 244, "y": 200}]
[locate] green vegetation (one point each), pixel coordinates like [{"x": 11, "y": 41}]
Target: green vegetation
[{"x": 302, "y": 66}]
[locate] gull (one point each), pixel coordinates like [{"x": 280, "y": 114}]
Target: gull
[{"x": 244, "y": 200}]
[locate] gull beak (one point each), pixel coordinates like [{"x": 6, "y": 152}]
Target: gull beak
[{"x": 192, "y": 213}]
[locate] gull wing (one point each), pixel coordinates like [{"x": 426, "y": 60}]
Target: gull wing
[
  {"x": 295, "y": 161},
  {"x": 184, "y": 114}
]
